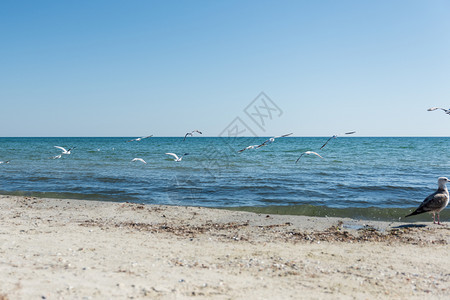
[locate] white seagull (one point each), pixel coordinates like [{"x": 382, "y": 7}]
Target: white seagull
[
  {"x": 308, "y": 152},
  {"x": 191, "y": 134},
  {"x": 64, "y": 152},
  {"x": 248, "y": 147},
  {"x": 139, "y": 159},
  {"x": 140, "y": 138},
  {"x": 4, "y": 162},
  {"x": 271, "y": 140},
  {"x": 335, "y": 136},
  {"x": 447, "y": 111},
  {"x": 435, "y": 202},
  {"x": 176, "y": 158}
]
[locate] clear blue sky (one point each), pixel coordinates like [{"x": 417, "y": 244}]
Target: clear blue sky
[{"x": 131, "y": 68}]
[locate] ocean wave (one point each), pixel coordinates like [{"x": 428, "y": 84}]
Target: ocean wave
[
  {"x": 111, "y": 179},
  {"x": 40, "y": 178},
  {"x": 369, "y": 188},
  {"x": 61, "y": 195}
]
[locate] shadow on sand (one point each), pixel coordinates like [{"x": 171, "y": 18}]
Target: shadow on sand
[{"x": 411, "y": 226}]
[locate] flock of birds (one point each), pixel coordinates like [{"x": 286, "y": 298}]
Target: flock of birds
[
  {"x": 175, "y": 157},
  {"x": 433, "y": 204},
  {"x": 272, "y": 139},
  {"x": 179, "y": 158}
]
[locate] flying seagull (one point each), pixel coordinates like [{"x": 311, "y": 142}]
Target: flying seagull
[
  {"x": 191, "y": 134},
  {"x": 308, "y": 152},
  {"x": 271, "y": 140},
  {"x": 335, "y": 136},
  {"x": 435, "y": 202},
  {"x": 140, "y": 138},
  {"x": 447, "y": 111},
  {"x": 4, "y": 162},
  {"x": 248, "y": 147},
  {"x": 64, "y": 152},
  {"x": 139, "y": 159},
  {"x": 176, "y": 158}
]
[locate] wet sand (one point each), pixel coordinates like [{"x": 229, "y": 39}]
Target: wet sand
[{"x": 73, "y": 249}]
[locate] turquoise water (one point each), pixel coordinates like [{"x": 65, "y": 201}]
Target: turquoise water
[{"x": 358, "y": 176}]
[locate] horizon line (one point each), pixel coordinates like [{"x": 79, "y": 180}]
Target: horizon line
[{"x": 262, "y": 136}]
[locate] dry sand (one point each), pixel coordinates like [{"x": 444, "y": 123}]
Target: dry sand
[{"x": 73, "y": 249}]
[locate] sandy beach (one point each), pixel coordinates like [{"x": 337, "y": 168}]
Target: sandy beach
[{"x": 74, "y": 249}]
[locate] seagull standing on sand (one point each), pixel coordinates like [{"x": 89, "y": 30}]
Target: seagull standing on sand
[
  {"x": 64, "y": 152},
  {"x": 176, "y": 158},
  {"x": 191, "y": 134},
  {"x": 139, "y": 159},
  {"x": 271, "y": 140},
  {"x": 140, "y": 138},
  {"x": 435, "y": 202},
  {"x": 335, "y": 136},
  {"x": 447, "y": 111},
  {"x": 308, "y": 152}
]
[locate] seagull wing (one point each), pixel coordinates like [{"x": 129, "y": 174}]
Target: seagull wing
[
  {"x": 312, "y": 152},
  {"x": 351, "y": 132},
  {"x": 185, "y": 136},
  {"x": 299, "y": 157},
  {"x": 264, "y": 144},
  {"x": 284, "y": 135},
  {"x": 174, "y": 155},
  {"x": 308, "y": 152},
  {"x": 431, "y": 203},
  {"x": 64, "y": 150},
  {"x": 198, "y": 131},
  {"x": 248, "y": 147},
  {"x": 139, "y": 159},
  {"x": 435, "y": 201},
  {"x": 242, "y": 150},
  {"x": 327, "y": 141},
  {"x": 432, "y": 108}
]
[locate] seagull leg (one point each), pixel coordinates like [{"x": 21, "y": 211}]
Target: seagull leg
[
  {"x": 434, "y": 220},
  {"x": 439, "y": 223}
]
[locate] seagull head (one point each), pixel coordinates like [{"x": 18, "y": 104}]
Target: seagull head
[{"x": 442, "y": 181}]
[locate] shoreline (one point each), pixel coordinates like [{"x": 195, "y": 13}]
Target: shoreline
[
  {"x": 62, "y": 248},
  {"x": 368, "y": 214}
]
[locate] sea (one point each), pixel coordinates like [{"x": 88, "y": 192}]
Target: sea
[{"x": 381, "y": 178}]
